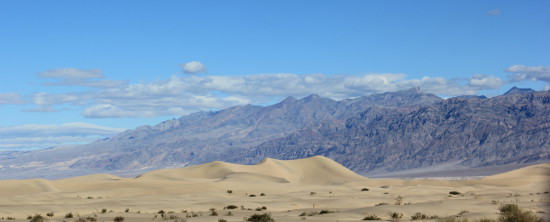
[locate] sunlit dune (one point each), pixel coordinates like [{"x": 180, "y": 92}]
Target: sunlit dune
[{"x": 291, "y": 190}]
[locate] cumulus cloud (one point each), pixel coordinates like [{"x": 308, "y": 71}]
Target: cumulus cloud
[
  {"x": 181, "y": 95},
  {"x": 184, "y": 95},
  {"x": 42, "y": 136},
  {"x": 11, "y": 98},
  {"x": 483, "y": 81},
  {"x": 532, "y": 73},
  {"x": 494, "y": 12},
  {"x": 193, "y": 67},
  {"x": 79, "y": 77}
]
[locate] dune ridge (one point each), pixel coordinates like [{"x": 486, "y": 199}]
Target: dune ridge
[
  {"x": 286, "y": 188},
  {"x": 312, "y": 170}
]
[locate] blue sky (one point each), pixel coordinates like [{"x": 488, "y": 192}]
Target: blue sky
[{"x": 75, "y": 71}]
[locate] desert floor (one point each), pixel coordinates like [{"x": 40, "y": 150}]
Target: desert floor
[{"x": 289, "y": 190}]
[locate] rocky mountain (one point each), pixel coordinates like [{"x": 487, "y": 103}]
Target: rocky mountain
[
  {"x": 378, "y": 133},
  {"x": 508, "y": 129}
]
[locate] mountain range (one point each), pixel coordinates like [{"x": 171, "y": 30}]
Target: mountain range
[{"x": 376, "y": 134}]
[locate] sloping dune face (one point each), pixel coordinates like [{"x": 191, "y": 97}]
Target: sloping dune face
[
  {"x": 312, "y": 170},
  {"x": 287, "y": 189}
]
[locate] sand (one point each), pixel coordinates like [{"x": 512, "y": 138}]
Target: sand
[{"x": 286, "y": 189}]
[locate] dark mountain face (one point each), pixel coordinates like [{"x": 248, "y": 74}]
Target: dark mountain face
[
  {"x": 515, "y": 90},
  {"x": 381, "y": 132},
  {"x": 468, "y": 133}
]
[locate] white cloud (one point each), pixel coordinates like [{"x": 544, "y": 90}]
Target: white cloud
[
  {"x": 483, "y": 81},
  {"x": 79, "y": 77},
  {"x": 193, "y": 67},
  {"x": 494, "y": 12},
  {"x": 43, "y": 136},
  {"x": 11, "y": 98},
  {"x": 183, "y": 95},
  {"x": 532, "y": 73},
  {"x": 180, "y": 95},
  {"x": 72, "y": 73}
]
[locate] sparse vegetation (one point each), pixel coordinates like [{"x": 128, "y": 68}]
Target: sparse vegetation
[
  {"x": 421, "y": 216},
  {"x": 118, "y": 219},
  {"x": 372, "y": 217},
  {"x": 231, "y": 207},
  {"x": 326, "y": 211},
  {"x": 213, "y": 212},
  {"x": 312, "y": 213},
  {"x": 262, "y": 194},
  {"x": 399, "y": 200},
  {"x": 69, "y": 215},
  {"x": 50, "y": 214},
  {"x": 38, "y": 218},
  {"x": 395, "y": 216},
  {"x": 454, "y": 192},
  {"x": 512, "y": 213},
  {"x": 104, "y": 210},
  {"x": 365, "y": 189},
  {"x": 261, "y": 218},
  {"x": 229, "y": 191}
]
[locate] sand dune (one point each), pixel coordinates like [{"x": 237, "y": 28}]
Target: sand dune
[
  {"x": 287, "y": 188},
  {"x": 313, "y": 170}
]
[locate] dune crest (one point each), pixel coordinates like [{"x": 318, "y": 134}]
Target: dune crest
[{"x": 311, "y": 170}]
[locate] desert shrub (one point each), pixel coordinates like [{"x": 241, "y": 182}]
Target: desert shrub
[
  {"x": 419, "y": 216},
  {"x": 487, "y": 220},
  {"x": 50, "y": 214},
  {"x": 127, "y": 210},
  {"x": 80, "y": 219},
  {"x": 262, "y": 194},
  {"x": 229, "y": 191},
  {"x": 380, "y": 204},
  {"x": 512, "y": 213},
  {"x": 162, "y": 213},
  {"x": 229, "y": 213},
  {"x": 104, "y": 210},
  {"x": 395, "y": 216},
  {"x": 231, "y": 207},
  {"x": 398, "y": 200},
  {"x": 91, "y": 219},
  {"x": 365, "y": 189},
  {"x": 372, "y": 217},
  {"x": 222, "y": 220},
  {"x": 213, "y": 212},
  {"x": 118, "y": 219},
  {"x": 38, "y": 218},
  {"x": 261, "y": 218},
  {"x": 252, "y": 195},
  {"x": 29, "y": 217},
  {"x": 69, "y": 215},
  {"x": 454, "y": 192},
  {"x": 326, "y": 211},
  {"x": 312, "y": 193}
]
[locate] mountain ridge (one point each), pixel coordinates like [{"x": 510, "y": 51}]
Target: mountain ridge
[{"x": 296, "y": 128}]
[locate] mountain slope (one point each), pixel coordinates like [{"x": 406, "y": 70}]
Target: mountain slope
[
  {"x": 461, "y": 132},
  {"x": 377, "y": 133},
  {"x": 199, "y": 138}
]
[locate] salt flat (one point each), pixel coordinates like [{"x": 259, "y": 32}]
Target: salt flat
[{"x": 289, "y": 190}]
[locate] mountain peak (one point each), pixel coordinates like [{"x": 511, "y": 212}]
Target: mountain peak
[
  {"x": 289, "y": 99},
  {"x": 515, "y": 91},
  {"x": 414, "y": 90}
]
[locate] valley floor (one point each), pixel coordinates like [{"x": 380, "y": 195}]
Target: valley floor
[{"x": 185, "y": 198}]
